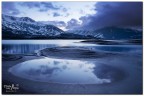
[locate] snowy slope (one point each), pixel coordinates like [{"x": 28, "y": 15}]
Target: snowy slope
[
  {"x": 25, "y": 25},
  {"x": 112, "y": 33},
  {"x": 117, "y": 33}
]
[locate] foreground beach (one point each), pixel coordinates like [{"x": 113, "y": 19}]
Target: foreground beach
[{"x": 123, "y": 70}]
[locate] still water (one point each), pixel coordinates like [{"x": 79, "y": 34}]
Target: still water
[
  {"x": 32, "y": 46},
  {"x": 74, "y": 71},
  {"x": 58, "y": 71}
]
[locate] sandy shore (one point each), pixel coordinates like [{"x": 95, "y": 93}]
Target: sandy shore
[
  {"x": 131, "y": 84},
  {"x": 74, "y": 53}
]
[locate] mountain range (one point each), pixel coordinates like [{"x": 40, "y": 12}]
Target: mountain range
[{"x": 27, "y": 28}]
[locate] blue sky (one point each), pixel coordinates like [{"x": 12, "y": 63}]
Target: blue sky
[{"x": 79, "y": 15}]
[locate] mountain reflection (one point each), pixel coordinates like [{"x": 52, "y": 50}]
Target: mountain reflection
[{"x": 23, "y": 48}]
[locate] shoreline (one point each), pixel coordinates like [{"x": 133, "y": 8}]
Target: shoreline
[{"x": 125, "y": 62}]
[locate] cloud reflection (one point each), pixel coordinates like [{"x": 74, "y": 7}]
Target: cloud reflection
[{"x": 58, "y": 71}]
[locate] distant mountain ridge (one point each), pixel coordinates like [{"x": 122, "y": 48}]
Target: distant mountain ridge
[
  {"x": 27, "y": 28},
  {"x": 119, "y": 33},
  {"x": 111, "y": 33}
]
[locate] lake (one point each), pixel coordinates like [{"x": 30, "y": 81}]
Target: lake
[
  {"x": 73, "y": 64},
  {"x": 32, "y": 46}
]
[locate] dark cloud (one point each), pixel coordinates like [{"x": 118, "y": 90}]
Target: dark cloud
[
  {"x": 30, "y": 4},
  {"x": 49, "y": 5},
  {"x": 9, "y": 8},
  {"x": 55, "y": 23},
  {"x": 42, "y": 6},
  {"x": 72, "y": 24},
  {"x": 61, "y": 24},
  {"x": 123, "y": 14},
  {"x": 56, "y": 14}
]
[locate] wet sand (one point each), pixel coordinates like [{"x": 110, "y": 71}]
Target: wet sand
[
  {"x": 73, "y": 53},
  {"x": 131, "y": 83}
]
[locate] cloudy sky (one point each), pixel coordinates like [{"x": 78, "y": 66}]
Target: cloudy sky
[{"x": 79, "y": 15}]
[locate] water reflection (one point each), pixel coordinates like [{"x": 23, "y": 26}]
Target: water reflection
[
  {"x": 23, "y": 48},
  {"x": 31, "y": 46},
  {"x": 119, "y": 48},
  {"x": 58, "y": 70},
  {"x": 51, "y": 42}
]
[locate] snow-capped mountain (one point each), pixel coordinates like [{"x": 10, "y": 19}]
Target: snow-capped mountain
[
  {"x": 117, "y": 33},
  {"x": 111, "y": 33},
  {"x": 27, "y": 27}
]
